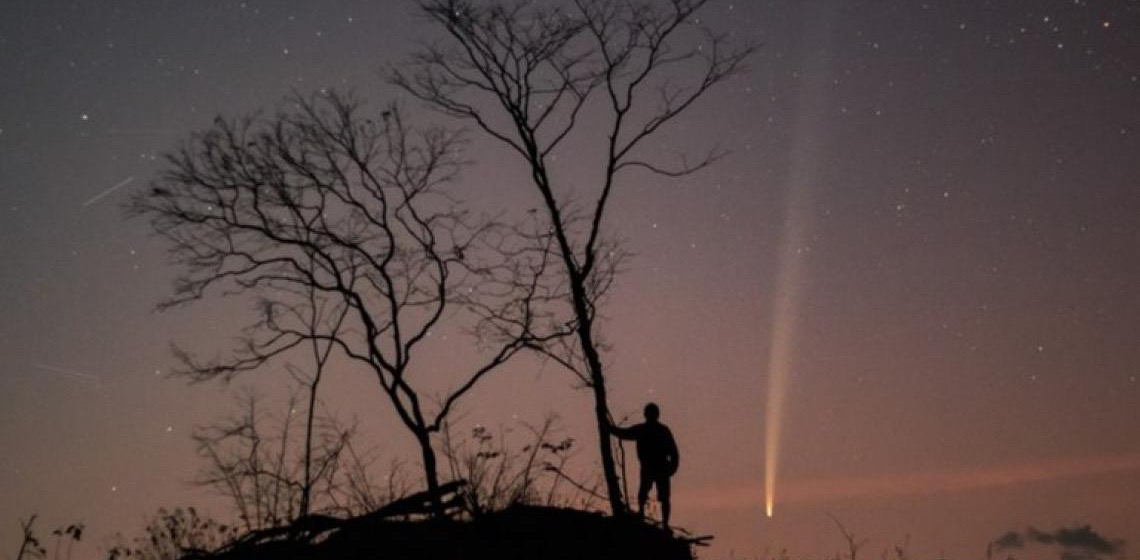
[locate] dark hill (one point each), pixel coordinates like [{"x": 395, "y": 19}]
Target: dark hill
[{"x": 529, "y": 532}]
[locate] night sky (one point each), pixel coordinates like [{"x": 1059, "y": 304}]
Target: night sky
[{"x": 957, "y": 183}]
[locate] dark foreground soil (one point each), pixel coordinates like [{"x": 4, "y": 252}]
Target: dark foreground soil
[{"x": 513, "y": 534}]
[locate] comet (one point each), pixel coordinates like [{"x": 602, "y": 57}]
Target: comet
[
  {"x": 806, "y": 155},
  {"x": 783, "y": 330}
]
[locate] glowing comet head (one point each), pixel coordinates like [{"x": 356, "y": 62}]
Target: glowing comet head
[{"x": 769, "y": 506}]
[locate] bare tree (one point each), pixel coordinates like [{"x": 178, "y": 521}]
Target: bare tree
[
  {"x": 174, "y": 535},
  {"x": 315, "y": 314},
  {"x": 500, "y": 475},
  {"x": 322, "y": 204},
  {"x": 527, "y": 76},
  {"x": 255, "y": 460},
  {"x": 31, "y": 547},
  {"x": 853, "y": 544}
]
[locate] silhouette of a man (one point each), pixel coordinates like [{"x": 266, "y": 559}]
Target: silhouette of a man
[{"x": 658, "y": 456}]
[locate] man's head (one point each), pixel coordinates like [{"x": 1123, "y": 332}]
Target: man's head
[{"x": 652, "y": 413}]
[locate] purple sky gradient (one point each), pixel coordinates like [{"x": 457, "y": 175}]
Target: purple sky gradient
[{"x": 966, "y": 355}]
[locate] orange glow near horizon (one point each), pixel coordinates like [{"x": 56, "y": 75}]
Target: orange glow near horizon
[{"x": 814, "y": 491}]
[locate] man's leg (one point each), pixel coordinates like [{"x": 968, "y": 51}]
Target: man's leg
[
  {"x": 663, "y": 497},
  {"x": 645, "y": 481}
]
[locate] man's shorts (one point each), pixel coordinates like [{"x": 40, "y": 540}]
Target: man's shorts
[{"x": 653, "y": 478}]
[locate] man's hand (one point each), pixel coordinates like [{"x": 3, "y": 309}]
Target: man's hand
[{"x": 620, "y": 432}]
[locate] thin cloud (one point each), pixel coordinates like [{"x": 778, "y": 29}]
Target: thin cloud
[
  {"x": 1076, "y": 543},
  {"x": 1010, "y": 540}
]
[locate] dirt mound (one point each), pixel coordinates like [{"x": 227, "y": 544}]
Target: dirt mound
[{"x": 528, "y": 532}]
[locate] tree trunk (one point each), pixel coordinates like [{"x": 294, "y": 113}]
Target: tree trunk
[
  {"x": 601, "y": 404},
  {"x": 430, "y": 474},
  {"x": 609, "y": 469},
  {"x": 307, "y": 487}
]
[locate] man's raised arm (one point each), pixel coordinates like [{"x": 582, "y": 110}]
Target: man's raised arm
[{"x": 623, "y": 433}]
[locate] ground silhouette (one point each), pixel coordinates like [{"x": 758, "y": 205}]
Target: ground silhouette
[
  {"x": 401, "y": 530},
  {"x": 519, "y": 532}
]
